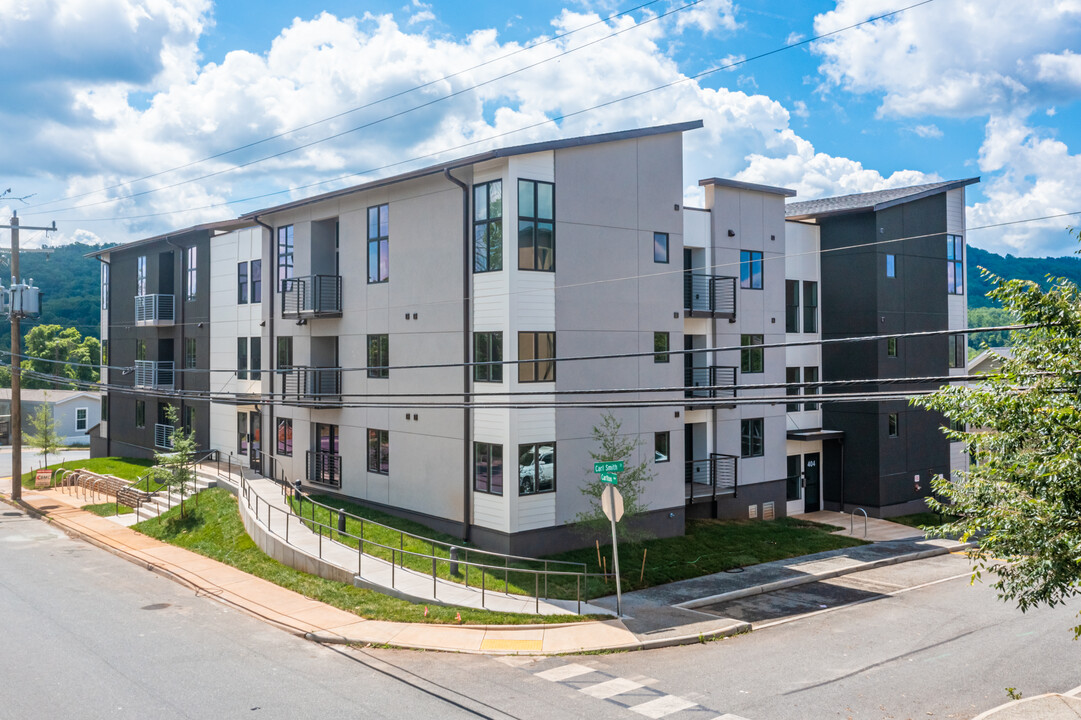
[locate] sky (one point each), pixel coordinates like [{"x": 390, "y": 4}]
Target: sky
[{"x": 123, "y": 119}]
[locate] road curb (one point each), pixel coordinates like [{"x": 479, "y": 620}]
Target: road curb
[{"x": 816, "y": 577}]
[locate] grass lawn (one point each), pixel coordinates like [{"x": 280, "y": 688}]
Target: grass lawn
[
  {"x": 126, "y": 468},
  {"x": 213, "y": 528},
  {"x": 107, "y": 509},
  {"x": 923, "y": 519}
]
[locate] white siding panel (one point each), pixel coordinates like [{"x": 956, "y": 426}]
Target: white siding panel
[
  {"x": 536, "y": 511},
  {"x": 696, "y": 224},
  {"x": 537, "y": 425},
  {"x": 490, "y": 511},
  {"x": 955, "y": 211}
]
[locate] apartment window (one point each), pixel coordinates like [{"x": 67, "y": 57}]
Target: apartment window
[
  {"x": 242, "y": 433},
  {"x": 190, "y": 354},
  {"x": 242, "y": 358},
  {"x": 488, "y": 226},
  {"x": 379, "y": 243},
  {"x": 80, "y": 418},
  {"x": 104, "y": 286},
  {"x": 660, "y": 347},
  {"x": 891, "y": 347},
  {"x": 662, "y": 447},
  {"x": 140, "y": 413},
  {"x": 189, "y": 419},
  {"x": 893, "y": 425},
  {"x": 958, "y": 351},
  {"x": 257, "y": 281},
  {"x": 379, "y": 451},
  {"x": 193, "y": 257},
  {"x": 140, "y": 349},
  {"x": 536, "y": 468},
  {"x": 378, "y": 356},
  {"x": 751, "y": 359},
  {"x": 791, "y": 375},
  {"x": 285, "y": 352},
  {"x": 536, "y": 346},
  {"x": 285, "y": 255},
  {"x": 791, "y": 306},
  {"x": 751, "y": 441},
  {"x": 660, "y": 247},
  {"x": 536, "y": 225},
  {"x": 140, "y": 275},
  {"x": 488, "y": 468},
  {"x": 810, "y": 375},
  {"x": 285, "y": 437},
  {"x": 750, "y": 269},
  {"x": 104, "y": 408},
  {"x": 792, "y": 484},
  {"x": 891, "y": 265},
  {"x": 242, "y": 283},
  {"x": 810, "y": 306},
  {"x": 955, "y": 265},
  {"x": 488, "y": 348},
  {"x": 256, "y": 358}
]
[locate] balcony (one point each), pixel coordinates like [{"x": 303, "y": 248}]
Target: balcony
[
  {"x": 709, "y": 296},
  {"x": 312, "y": 296},
  {"x": 154, "y": 310},
  {"x": 708, "y": 378},
  {"x": 163, "y": 436},
  {"x": 151, "y": 374},
  {"x": 712, "y": 477},
  {"x": 324, "y": 468},
  {"x": 312, "y": 386}
]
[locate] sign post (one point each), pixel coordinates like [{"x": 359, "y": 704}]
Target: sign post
[{"x": 612, "y": 505}]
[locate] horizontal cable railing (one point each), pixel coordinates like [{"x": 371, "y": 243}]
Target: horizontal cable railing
[
  {"x": 709, "y": 477},
  {"x": 708, "y": 378},
  {"x": 324, "y": 468},
  {"x": 709, "y": 293},
  {"x": 154, "y": 309},
  {"x": 311, "y": 384},
  {"x": 313, "y": 295}
]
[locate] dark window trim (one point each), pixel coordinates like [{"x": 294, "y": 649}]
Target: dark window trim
[
  {"x": 747, "y": 440},
  {"x": 379, "y": 350},
  {"x": 522, "y": 449},
  {"x": 893, "y": 425},
  {"x": 487, "y": 222},
  {"x": 283, "y": 444},
  {"x": 810, "y": 310},
  {"x": 488, "y": 373},
  {"x": 791, "y": 306},
  {"x": 667, "y": 248},
  {"x": 382, "y": 440},
  {"x": 536, "y": 220},
  {"x": 378, "y": 239},
  {"x": 242, "y": 282},
  {"x": 749, "y": 351},
  {"x": 286, "y": 255},
  {"x": 753, "y": 258},
  {"x": 661, "y": 355},
  {"x": 483, "y": 457},
  {"x": 667, "y": 435},
  {"x": 535, "y": 361}
]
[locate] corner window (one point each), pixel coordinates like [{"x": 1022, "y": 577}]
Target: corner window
[
  {"x": 810, "y": 375},
  {"x": 660, "y": 247},
  {"x": 750, "y": 269},
  {"x": 285, "y": 437},
  {"x": 536, "y": 468},
  {"x": 193, "y": 257},
  {"x": 488, "y": 468},
  {"x": 104, "y": 286},
  {"x": 242, "y": 283},
  {"x": 791, "y": 378},
  {"x": 662, "y": 447},
  {"x": 660, "y": 347},
  {"x": 891, "y": 347},
  {"x": 379, "y": 243},
  {"x": 958, "y": 351},
  {"x": 242, "y": 358},
  {"x": 536, "y": 225},
  {"x": 379, "y": 356},
  {"x": 751, "y": 440},
  {"x": 80, "y": 418},
  {"x": 536, "y": 346},
  {"x": 285, "y": 255},
  {"x": 488, "y": 226},
  {"x": 190, "y": 354},
  {"x": 891, "y": 265},
  {"x": 488, "y": 348},
  {"x": 257, "y": 281},
  {"x": 810, "y": 306},
  {"x": 379, "y": 451},
  {"x": 791, "y": 306},
  {"x": 751, "y": 359},
  {"x": 140, "y": 413},
  {"x": 892, "y": 425},
  {"x": 955, "y": 265}
]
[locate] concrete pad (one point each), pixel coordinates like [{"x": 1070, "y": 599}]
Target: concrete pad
[
  {"x": 439, "y": 637},
  {"x": 377, "y": 632},
  {"x": 1039, "y": 707},
  {"x": 321, "y": 615}
]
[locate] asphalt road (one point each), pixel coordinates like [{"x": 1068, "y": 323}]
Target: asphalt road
[{"x": 33, "y": 459}]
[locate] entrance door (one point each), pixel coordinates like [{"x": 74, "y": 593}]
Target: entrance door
[
  {"x": 811, "y": 489},
  {"x": 255, "y": 433}
]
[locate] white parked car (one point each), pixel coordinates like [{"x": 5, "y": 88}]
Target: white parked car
[{"x": 527, "y": 469}]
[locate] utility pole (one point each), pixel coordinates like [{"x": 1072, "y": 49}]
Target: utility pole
[{"x": 16, "y": 362}]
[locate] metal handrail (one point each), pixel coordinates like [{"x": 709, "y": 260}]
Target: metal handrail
[{"x": 852, "y": 521}]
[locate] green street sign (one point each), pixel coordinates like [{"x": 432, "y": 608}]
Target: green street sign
[
  {"x": 609, "y": 478},
  {"x": 613, "y": 466}
]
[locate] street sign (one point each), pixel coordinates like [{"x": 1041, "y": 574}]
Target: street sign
[
  {"x": 612, "y": 466},
  {"x": 610, "y": 478},
  {"x": 612, "y": 504}
]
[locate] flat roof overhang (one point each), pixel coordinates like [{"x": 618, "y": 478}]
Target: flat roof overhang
[{"x": 816, "y": 434}]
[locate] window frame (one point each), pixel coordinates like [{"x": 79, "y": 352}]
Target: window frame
[
  {"x": 191, "y": 275},
  {"x": 379, "y": 238},
  {"x": 284, "y": 342},
  {"x": 810, "y": 306},
  {"x": 487, "y": 224},
  {"x": 241, "y": 433},
  {"x": 662, "y": 346},
  {"x": 242, "y": 282},
  {"x": 105, "y": 286},
  {"x": 379, "y": 463},
  {"x": 140, "y": 275},
  {"x": 791, "y": 309},
  {"x": 488, "y": 373},
  {"x": 82, "y": 424},
  {"x": 535, "y": 221},
  {"x": 523, "y": 448},
  {"x": 749, "y": 260},
  {"x": 891, "y": 265},
  {"x": 191, "y": 353},
  {"x": 242, "y": 358},
  {"x": 955, "y": 264},
  {"x": 255, "y": 358},
  {"x": 105, "y": 408},
  {"x": 751, "y": 446},
  {"x": 284, "y": 443},
  {"x": 657, "y": 236},
  {"x": 484, "y": 457},
  {"x": 958, "y": 352},
  {"x": 667, "y": 443},
  {"x": 140, "y": 413},
  {"x": 534, "y": 362},
  {"x": 893, "y": 425},
  {"x": 748, "y": 353},
  {"x": 286, "y": 255},
  {"x": 792, "y": 375},
  {"x": 891, "y": 347},
  {"x": 379, "y": 352},
  {"x": 256, "y": 284},
  {"x": 807, "y": 372}
]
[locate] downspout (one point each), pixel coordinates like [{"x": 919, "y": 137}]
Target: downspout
[
  {"x": 183, "y": 301},
  {"x": 272, "y": 350},
  {"x": 467, "y": 426},
  {"x": 108, "y": 320}
]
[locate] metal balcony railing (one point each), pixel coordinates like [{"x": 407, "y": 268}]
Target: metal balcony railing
[
  {"x": 312, "y": 296},
  {"x": 151, "y": 374},
  {"x": 154, "y": 310},
  {"x": 324, "y": 468},
  {"x": 713, "y": 295},
  {"x": 163, "y": 436},
  {"x": 312, "y": 385},
  {"x": 711, "y": 477},
  {"x": 708, "y": 378}
]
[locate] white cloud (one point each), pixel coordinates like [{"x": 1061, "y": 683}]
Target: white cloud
[
  {"x": 799, "y": 109},
  {"x": 731, "y": 60},
  {"x": 931, "y": 131},
  {"x": 793, "y": 38},
  {"x": 422, "y": 12},
  {"x": 708, "y": 16}
]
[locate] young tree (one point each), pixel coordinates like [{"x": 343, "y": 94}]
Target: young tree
[
  {"x": 174, "y": 468},
  {"x": 611, "y": 445},
  {"x": 44, "y": 435},
  {"x": 1021, "y": 499}
]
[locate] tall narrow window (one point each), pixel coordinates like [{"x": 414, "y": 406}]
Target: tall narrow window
[
  {"x": 285, "y": 437},
  {"x": 538, "y": 346},
  {"x": 536, "y": 468},
  {"x": 285, "y": 352},
  {"x": 893, "y": 426},
  {"x": 193, "y": 259},
  {"x": 891, "y": 347},
  {"x": 257, "y": 281},
  {"x": 242, "y": 283},
  {"x": 378, "y": 356},
  {"x": 379, "y": 243},
  {"x": 662, "y": 447},
  {"x": 140, "y": 275},
  {"x": 660, "y": 347},
  {"x": 242, "y": 358},
  {"x": 955, "y": 265},
  {"x": 810, "y": 306},
  {"x": 189, "y": 418},
  {"x": 256, "y": 358},
  {"x": 488, "y": 226},
  {"x": 242, "y": 433},
  {"x": 488, "y": 348},
  {"x": 791, "y": 375},
  {"x": 791, "y": 306},
  {"x": 752, "y": 443},
  {"x": 750, "y": 269},
  {"x": 140, "y": 413},
  {"x": 190, "y": 354},
  {"x": 379, "y": 451},
  {"x": 285, "y": 255},
  {"x": 660, "y": 247},
  {"x": 891, "y": 265},
  {"x": 488, "y": 468},
  {"x": 958, "y": 351},
  {"x": 105, "y": 286},
  {"x": 751, "y": 359},
  {"x": 104, "y": 408},
  {"x": 140, "y": 349},
  {"x": 810, "y": 375},
  {"x": 536, "y": 225}
]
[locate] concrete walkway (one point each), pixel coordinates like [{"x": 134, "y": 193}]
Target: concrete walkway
[
  {"x": 862, "y": 528},
  {"x": 1052, "y": 706}
]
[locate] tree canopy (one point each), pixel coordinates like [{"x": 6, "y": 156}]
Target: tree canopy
[{"x": 64, "y": 352}]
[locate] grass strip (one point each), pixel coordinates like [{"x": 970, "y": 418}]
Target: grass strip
[
  {"x": 107, "y": 509},
  {"x": 121, "y": 467}
]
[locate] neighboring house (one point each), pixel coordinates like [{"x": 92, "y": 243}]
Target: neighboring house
[
  {"x": 75, "y": 413},
  {"x": 989, "y": 360}
]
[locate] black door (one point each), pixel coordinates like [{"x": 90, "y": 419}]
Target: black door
[
  {"x": 811, "y": 491},
  {"x": 255, "y": 437}
]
